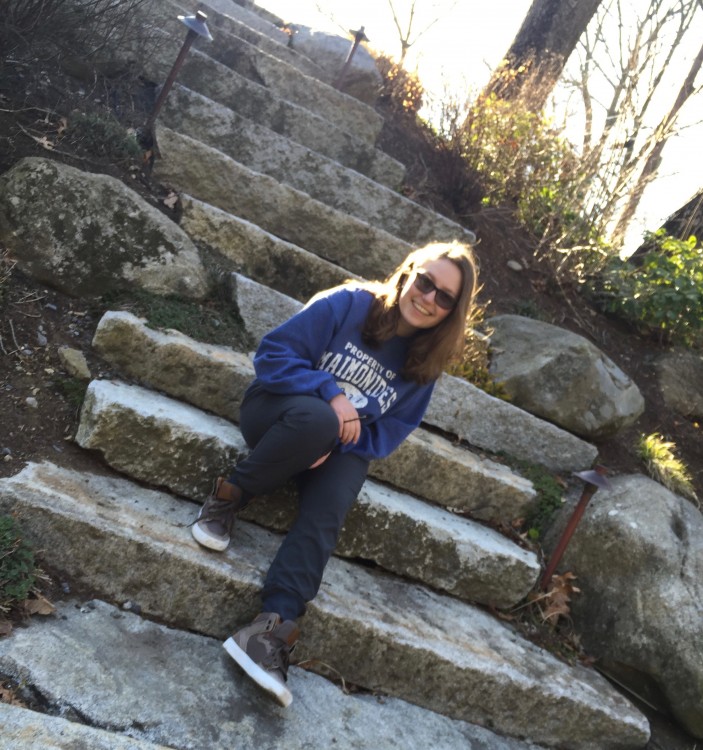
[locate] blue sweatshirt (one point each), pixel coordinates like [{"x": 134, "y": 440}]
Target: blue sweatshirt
[{"x": 319, "y": 352}]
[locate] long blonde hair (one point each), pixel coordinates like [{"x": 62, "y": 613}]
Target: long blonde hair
[{"x": 431, "y": 349}]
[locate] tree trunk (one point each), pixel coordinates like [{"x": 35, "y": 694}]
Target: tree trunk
[
  {"x": 684, "y": 222},
  {"x": 687, "y": 220},
  {"x": 536, "y": 58}
]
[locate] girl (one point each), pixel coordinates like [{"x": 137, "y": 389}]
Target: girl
[{"x": 344, "y": 381}]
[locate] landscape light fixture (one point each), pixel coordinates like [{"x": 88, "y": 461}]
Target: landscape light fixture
[
  {"x": 359, "y": 37},
  {"x": 595, "y": 479},
  {"x": 196, "y": 27}
]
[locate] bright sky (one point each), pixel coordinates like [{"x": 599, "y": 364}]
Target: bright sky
[{"x": 460, "y": 50}]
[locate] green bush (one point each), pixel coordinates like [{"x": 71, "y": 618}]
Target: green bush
[
  {"x": 17, "y": 569},
  {"x": 521, "y": 159},
  {"x": 550, "y": 496},
  {"x": 662, "y": 294},
  {"x": 101, "y": 134},
  {"x": 72, "y": 389}
]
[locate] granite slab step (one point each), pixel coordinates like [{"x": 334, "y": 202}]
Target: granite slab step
[
  {"x": 216, "y": 81},
  {"x": 251, "y": 18},
  {"x": 190, "y": 166},
  {"x": 129, "y": 674},
  {"x": 129, "y": 543},
  {"x": 321, "y": 178},
  {"x": 247, "y": 249},
  {"x": 283, "y": 80},
  {"x": 214, "y": 378},
  {"x": 22, "y": 729},
  {"x": 279, "y": 49},
  {"x": 397, "y": 532}
]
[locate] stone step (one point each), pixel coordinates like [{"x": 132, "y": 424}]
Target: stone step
[
  {"x": 209, "y": 175},
  {"x": 427, "y": 543},
  {"x": 278, "y": 49},
  {"x": 344, "y": 189},
  {"x": 249, "y": 17},
  {"x": 216, "y": 81},
  {"x": 130, "y": 543},
  {"x": 22, "y": 729},
  {"x": 460, "y": 408},
  {"x": 129, "y": 674},
  {"x": 248, "y": 249},
  {"x": 214, "y": 378},
  {"x": 456, "y": 407},
  {"x": 282, "y": 79},
  {"x": 262, "y": 12}
]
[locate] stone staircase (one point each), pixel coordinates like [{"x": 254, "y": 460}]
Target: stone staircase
[{"x": 280, "y": 183}]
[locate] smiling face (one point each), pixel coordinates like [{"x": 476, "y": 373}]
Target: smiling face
[{"x": 420, "y": 310}]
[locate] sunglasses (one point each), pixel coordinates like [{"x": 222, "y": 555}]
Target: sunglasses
[{"x": 423, "y": 283}]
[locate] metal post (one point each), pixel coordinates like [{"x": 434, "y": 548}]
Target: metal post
[
  {"x": 359, "y": 37},
  {"x": 196, "y": 27},
  {"x": 595, "y": 479}
]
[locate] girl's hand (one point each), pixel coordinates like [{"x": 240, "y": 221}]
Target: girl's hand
[{"x": 349, "y": 422}]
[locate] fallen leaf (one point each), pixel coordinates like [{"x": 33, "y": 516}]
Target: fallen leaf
[
  {"x": 39, "y": 606},
  {"x": 170, "y": 200},
  {"x": 44, "y": 142},
  {"x": 555, "y": 602}
]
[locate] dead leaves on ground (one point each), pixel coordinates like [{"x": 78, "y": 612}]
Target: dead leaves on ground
[
  {"x": 171, "y": 200},
  {"x": 544, "y": 618},
  {"x": 35, "y": 605},
  {"x": 8, "y": 695},
  {"x": 555, "y": 601}
]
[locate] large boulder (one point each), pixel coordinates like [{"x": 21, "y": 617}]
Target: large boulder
[
  {"x": 85, "y": 234},
  {"x": 681, "y": 381},
  {"x": 562, "y": 377},
  {"x": 362, "y": 79},
  {"x": 638, "y": 558}
]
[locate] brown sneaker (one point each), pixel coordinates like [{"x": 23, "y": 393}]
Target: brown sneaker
[
  {"x": 213, "y": 526},
  {"x": 262, "y": 650}
]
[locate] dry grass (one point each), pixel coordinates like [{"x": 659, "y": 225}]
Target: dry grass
[{"x": 664, "y": 466}]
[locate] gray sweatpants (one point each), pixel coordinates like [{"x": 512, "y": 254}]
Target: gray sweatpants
[{"x": 286, "y": 435}]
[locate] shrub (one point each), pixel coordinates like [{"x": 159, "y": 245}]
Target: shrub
[
  {"x": 662, "y": 295},
  {"x": 72, "y": 389},
  {"x": 550, "y": 496},
  {"x": 663, "y": 465},
  {"x": 400, "y": 90},
  {"x": 101, "y": 134},
  {"x": 523, "y": 159},
  {"x": 47, "y": 28},
  {"x": 17, "y": 569},
  {"x": 473, "y": 365}
]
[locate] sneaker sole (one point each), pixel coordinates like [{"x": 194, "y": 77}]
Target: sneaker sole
[
  {"x": 203, "y": 538},
  {"x": 260, "y": 676}
]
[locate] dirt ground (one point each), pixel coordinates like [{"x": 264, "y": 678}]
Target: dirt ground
[{"x": 40, "y": 400}]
